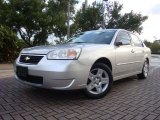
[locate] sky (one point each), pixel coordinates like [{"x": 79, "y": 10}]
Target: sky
[{"x": 151, "y": 27}]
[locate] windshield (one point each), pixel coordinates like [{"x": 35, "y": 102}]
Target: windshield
[{"x": 98, "y": 37}]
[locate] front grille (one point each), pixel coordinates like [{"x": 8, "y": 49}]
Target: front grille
[
  {"x": 30, "y": 59},
  {"x": 32, "y": 79}
]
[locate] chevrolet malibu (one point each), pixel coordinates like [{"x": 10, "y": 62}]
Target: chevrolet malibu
[{"x": 91, "y": 61}]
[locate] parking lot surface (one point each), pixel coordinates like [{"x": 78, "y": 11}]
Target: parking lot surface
[{"x": 129, "y": 99}]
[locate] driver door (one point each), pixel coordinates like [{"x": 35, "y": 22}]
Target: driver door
[{"x": 125, "y": 55}]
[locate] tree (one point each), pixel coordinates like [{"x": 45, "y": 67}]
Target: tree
[
  {"x": 147, "y": 43},
  {"x": 28, "y": 18},
  {"x": 35, "y": 20},
  {"x": 8, "y": 44},
  {"x": 130, "y": 21},
  {"x": 59, "y": 10},
  {"x": 88, "y": 19},
  {"x": 155, "y": 48}
]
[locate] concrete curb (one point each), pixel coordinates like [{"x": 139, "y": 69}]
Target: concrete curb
[
  {"x": 6, "y": 70},
  {"x": 6, "y": 66},
  {"x": 155, "y": 56}
]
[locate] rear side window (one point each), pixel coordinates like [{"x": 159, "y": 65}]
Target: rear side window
[
  {"x": 136, "y": 41},
  {"x": 123, "y": 37}
]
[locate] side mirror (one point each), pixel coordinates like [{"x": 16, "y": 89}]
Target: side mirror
[{"x": 119, "y": 43}]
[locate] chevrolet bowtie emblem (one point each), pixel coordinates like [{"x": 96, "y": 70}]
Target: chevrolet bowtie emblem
[{"x": 27, "y": 58}]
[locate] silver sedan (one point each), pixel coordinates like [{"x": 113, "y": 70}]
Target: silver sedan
[{"x": 90, "y": 60}]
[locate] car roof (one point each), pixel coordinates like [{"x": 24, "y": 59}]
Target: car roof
[{"x": 103, "y": 30}]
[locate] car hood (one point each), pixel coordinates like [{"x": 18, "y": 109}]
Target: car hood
[{"x": 45, "y": 49}]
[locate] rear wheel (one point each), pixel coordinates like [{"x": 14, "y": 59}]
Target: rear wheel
[
  {"x": 145, "y": 70},
  {"x": 99, "y": 82}
]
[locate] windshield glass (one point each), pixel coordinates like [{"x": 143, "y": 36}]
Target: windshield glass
[{"x": 98, "y": 37}]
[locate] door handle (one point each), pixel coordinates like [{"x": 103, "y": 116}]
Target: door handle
[{"x": 132, "y": 51}]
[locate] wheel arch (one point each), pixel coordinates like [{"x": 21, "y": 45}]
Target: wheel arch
[
  {"x": 147, "y": 60},
  {"x": 105, "y": 61}
]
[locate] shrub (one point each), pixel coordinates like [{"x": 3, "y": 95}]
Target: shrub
[
  {"x": 155, "y": 47},
  {"x": 10, "y": 45}
]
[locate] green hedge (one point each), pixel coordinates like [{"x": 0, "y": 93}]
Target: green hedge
[
  {"x": 10, "y": 45},
  {"x": 155, "y": 47}
]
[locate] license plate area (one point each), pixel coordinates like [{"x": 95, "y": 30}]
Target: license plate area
[{"x": 22, "y": 71}]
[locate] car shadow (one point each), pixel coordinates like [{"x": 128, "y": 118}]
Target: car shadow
[
  {"x": 125, "y": 80},
  {"x": 63, "y": 95},
  {"x": 55, "y": 94}
]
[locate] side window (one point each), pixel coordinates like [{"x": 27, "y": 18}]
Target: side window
[
  {"x": 123, "y": 37},
  {"x": 136, "y": 41}
]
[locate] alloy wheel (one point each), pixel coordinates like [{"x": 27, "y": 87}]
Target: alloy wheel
[
  {"x": 98, "y": 81},
  {"x": 146, "y": 69}
]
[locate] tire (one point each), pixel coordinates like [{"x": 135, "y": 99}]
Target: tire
[
  {"x": 145, "y": 70},
  {"x": 99, "y": 81}
]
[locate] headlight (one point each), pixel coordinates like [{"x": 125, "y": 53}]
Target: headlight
[{"x": 64, "y": 54}]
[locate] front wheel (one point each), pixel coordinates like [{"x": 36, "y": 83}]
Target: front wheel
[
  {"x": 145, "y": 70},
  {"x": 99, "y": 82}
]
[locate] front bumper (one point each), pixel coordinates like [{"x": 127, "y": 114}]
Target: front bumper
[{"x": 56, "y": 74}]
